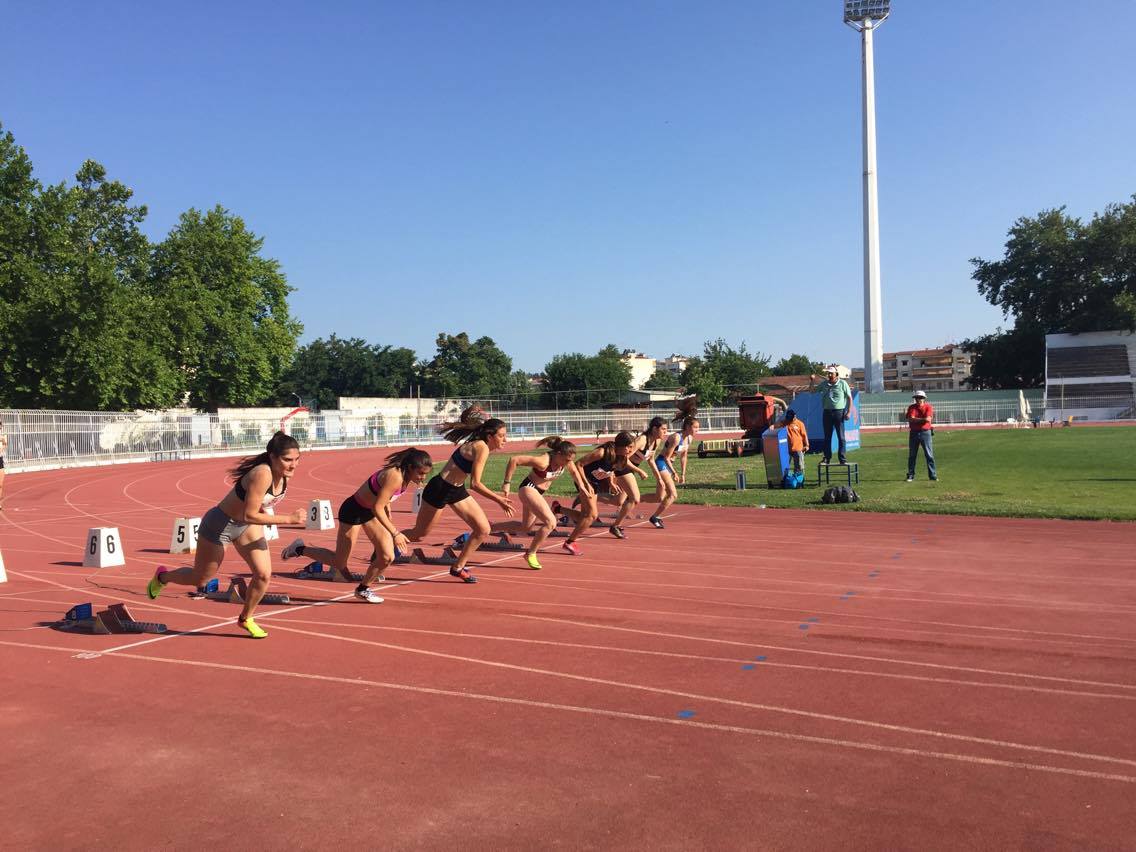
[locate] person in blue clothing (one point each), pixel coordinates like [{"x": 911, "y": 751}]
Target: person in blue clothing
[{"x": 836, "y": 404}]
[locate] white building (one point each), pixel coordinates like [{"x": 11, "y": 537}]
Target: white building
[
  {"x": 642, "y": 367},
  {"x": 673, "y": 364}
]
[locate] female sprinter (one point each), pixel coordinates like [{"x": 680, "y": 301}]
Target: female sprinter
[
  {"x": 678, "y": 443},
  {"x": 476, "y": 438},
  {"x": 259, "y": 483},
  {"x": 537, "y": 518},
  {"x": 608, "y": 470},
  {"x": 369, "y": 509},
  {"x": 648, "y": 447}
]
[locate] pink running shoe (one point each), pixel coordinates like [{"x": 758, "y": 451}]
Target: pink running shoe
[{"x": 572, "y": 547}]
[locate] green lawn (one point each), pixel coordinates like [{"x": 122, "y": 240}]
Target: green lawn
[{"x": 1086, "y": 472}]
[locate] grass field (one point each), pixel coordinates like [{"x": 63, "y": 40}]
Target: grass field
[{"x": 1087, "y": 472}]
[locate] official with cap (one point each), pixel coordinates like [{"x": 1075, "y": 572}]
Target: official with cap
[{"x": 920, "y": 415}]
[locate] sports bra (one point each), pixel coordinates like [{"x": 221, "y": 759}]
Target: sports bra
[
  {"x": 373, "y": 485},
  {"x": 271, "y": 501},
  {"x": 464, "y": 464},
  {"x": 594, "y": 470},
  {"x": 547, "y": 474},
  {"x": 681, "y": 443}
]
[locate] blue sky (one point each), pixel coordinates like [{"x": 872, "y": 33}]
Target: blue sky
[{"x": 560, "y": 175}]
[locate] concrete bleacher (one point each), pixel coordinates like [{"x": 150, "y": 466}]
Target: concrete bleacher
[{"x": 1090, "y": 376}]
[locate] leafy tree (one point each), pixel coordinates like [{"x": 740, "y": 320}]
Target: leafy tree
[
  {"x": 324, "y": 370},
  {"x": 226, "y": 308},
  {"x": 1057, "y": 274},
  {"x": 576, "y": 380},
  {"x": 662, "y": 380},
  {"x": 80, "y": 323},
  {"x": 461, "y": 369},
  {"x": 722, "y": 372},
  {"x": 522, "y": 394},
  {"x": 698, "y": 378},
  {"x": 797, "y": 365}
]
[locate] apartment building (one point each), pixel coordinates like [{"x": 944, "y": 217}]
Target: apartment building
[{"x": 942, "y": 369}]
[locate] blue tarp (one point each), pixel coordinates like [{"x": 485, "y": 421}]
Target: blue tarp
[{"x": 808, "y": 408}]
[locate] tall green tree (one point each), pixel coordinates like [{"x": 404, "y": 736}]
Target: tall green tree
[
  {"x": 576, "y": 380},
  {"x": 723, "y": 372},
  {"x": 81, "y": 325},
  {"x": 662, "y": 380},
  {"x": 324, "y": 370},
  {"x": 1057, "y": 274},
  {"x": 797, "y": 365},
  {"x": 226, "y": 309},
  {"x": 464, "y": 369}
]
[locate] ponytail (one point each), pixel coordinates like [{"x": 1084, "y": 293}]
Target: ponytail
[
  {"x": 556, "y": 444},
  {"x": 281, "y": 442},
  {"x": 471, "y": 426},
  {"x": 687, "y": 411}
]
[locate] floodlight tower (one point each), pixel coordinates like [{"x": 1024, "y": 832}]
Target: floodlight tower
[{"x": 865, "y": 16}]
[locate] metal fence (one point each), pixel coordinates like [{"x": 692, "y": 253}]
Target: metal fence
[{"x": 43, "y": 439}]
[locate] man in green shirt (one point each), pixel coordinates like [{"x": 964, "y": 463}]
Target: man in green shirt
[{"x": 836, "y": 401}]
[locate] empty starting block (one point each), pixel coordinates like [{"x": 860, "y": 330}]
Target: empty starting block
[{"x": 114, "y": 619}]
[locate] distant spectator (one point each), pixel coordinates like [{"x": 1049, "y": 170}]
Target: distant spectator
[
  {"x": 919, "y": 416},
  {"x": 836, "y": 401},
  {"x": 798, "y": 440}
]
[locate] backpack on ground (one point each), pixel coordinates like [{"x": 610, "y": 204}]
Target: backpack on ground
[{"x": 840, "y": 494}]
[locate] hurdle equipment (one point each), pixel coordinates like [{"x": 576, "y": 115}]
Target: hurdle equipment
[
  {"x": 184, "y": 537},
  {"x": 319, "y": 516},
  {"x": 103, "y": 548}
]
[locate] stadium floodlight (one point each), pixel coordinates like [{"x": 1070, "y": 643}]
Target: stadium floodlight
[
  {"x": 864, "y": 16},
  {"x": 856, "y": 12}
]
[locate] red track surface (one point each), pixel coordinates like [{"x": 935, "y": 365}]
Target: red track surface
[{"x": 744, "y": 678}]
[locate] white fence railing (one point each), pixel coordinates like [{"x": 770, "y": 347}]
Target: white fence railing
[{"x": 53, "y": 438}]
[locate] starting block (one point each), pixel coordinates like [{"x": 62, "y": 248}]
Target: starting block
[
  {"x": 238, "y": 590},
  {"x": 3, "y": 573},
  {"x": 103, "y": 548},
  {"x": 117, "y": 619},
  {"x": 319, "y": 516},
  {"x": 114, "y": 619},
  {"x": 184, "y": 537},
  {"x": 448, "y": 557},
  {"x": 319, "y": 571},
  {"x": 501, "y": 544}
]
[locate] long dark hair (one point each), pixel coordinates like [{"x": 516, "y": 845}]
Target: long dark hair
[
  {"x": 687, "y": 411},
  {"x": 408, "y": 460},
  {"x": 654, "y": 424},
  {"x": 556, "y": 444},
  {"x": 281, "y": 442},
  {"x": 622, "y": 439},
  {"x": 471, "y": 426}
]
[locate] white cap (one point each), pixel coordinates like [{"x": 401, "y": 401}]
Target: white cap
[
  {"x": 922, "y": 394},
  {"x": 830, "y": 369}
]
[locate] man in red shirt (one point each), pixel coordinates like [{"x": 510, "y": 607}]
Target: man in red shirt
[{"x": 919, "y": 416}]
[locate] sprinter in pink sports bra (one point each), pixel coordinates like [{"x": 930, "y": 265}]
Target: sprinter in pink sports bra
[{"x": 369, "y": 509}]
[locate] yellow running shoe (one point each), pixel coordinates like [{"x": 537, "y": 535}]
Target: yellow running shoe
[
  {"x": 154, "y": 587},
  {"x": 253, "y": 628},
  {"x": 534, "y": 563}
]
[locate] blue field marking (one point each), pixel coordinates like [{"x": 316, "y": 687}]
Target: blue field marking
[
  {"x": 748, "y": 667},
  {"x": 803, "y": 627},
  {"x": 896, "y": 555},
  {"x": 814, "y": 619},
  {"x": 686, "y": 714},
  {"x": 761, "y": 658}
]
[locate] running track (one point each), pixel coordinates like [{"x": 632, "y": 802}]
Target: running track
[{"x": 742, "y": 679}]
